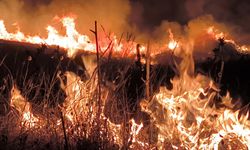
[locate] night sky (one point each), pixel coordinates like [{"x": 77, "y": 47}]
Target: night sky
[{"x": 150, "y": 13}]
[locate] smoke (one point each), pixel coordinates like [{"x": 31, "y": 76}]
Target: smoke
[
  {"x": 233, "y": 13},
  {"x": 146, "y": 19},
  {"x": 32, "y": 16}
]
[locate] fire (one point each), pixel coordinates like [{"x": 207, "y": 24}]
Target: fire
[
  {"x": 24, "y": 108},
  {"x": 216, "y": 34},
  {"x": 135, "y": 129},
  {"x": 172, "y": 43},
  {"x": 187, "y": 121},
  {"x": 73, "y": 41},
  {"x": 182, "y": 118},
  {"x": 77, "y": 105}
]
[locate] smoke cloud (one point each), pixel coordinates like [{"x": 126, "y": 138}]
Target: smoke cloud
[
  {"x": 233, "y": 13},
  {"x": 147, "y": 19},
  {"x": 33, "y": 16}
]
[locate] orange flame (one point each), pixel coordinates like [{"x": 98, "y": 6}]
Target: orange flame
[
  {"x": 172, "y": 43},
  {"x": 24, "y": 108},
  {"x": 217, "y": 35},
  {"x": 184, "y": 120},
  {"x": 72, "y": 41}
]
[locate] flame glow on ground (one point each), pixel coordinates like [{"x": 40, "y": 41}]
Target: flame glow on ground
[{"x": 180, "y": 118}]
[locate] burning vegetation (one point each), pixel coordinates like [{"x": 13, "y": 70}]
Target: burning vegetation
[{"x": 71, "y": 92}]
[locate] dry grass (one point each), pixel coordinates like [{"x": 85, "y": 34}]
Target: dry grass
[{"x": 83, "y": 133}]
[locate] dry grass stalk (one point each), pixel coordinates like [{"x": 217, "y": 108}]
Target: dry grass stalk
[{"x": 148, "y": 72}]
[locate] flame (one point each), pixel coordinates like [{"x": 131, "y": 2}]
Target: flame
[
  {"x": 216, "y": 34},
  {"x": 187, "y": 121},
  {"x": 18, "y": 102},
  {"x": 135, "y": 129},
  {"x": 172, "y": 43},
  {"x": 73, "y": 41},
  {"x": 183, "y": 118}
]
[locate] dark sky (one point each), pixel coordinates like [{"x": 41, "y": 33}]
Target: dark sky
[{"x": 150, "y": 13}]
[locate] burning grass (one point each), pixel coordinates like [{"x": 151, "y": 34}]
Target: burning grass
[
  {"x": 181, "y": 118},
  {"x": 186, "y": 117},
  {"x": 39, "y": 126}
]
